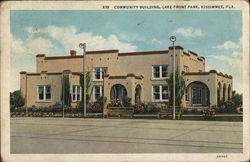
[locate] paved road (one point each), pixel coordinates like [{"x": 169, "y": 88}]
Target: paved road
[{"x": 68, "y": 135}]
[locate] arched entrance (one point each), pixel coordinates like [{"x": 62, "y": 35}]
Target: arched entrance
[
  {"x": 118, "y": 91},
  {"x": 229, "y": 91},
  {"x": 224, "y": 92},
  {"x": 198, "y": 94},
  {"x": 218, "y": 93},
  {"x": 138, "y": 94}
]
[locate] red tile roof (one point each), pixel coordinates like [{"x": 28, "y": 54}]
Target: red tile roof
[
  {"x": 102, "y": 51},
  {"x": 185, "y": 53},
  {"x": 196, "y": 73},
  {"x": 23, "y": 72},
  {"x": 143, "y": 53},
  {"x": 63, "y": 57},
  {"x": 207, "y": 73},
  {"x": 78, "y": 56},
  {"x": 40, "y": 55},
  {"x": 193, "y": 53},
  {"x": 199, "y": 59},
  {"x": 124, "y": 76}
]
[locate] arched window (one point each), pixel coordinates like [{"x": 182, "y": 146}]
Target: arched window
[{"x": 118, "y": 91}]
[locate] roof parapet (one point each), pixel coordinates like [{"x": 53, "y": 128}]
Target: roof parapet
[
  {"x": 40, "y": 55},
  {"x": 193, "y": 53},
  {"x": 207, "y": 73},
  {"x": 176, "y": 47},
  {"x": 143, "y": 53},
  {"x": 23, "y": 72}
]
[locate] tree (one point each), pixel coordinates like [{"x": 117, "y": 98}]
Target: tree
[
  {"x": 236, "y": 99},
  {"x": 179, "y": 89},
  {"x": 88, "y": 85},
  {"x": 66, "y": 97},
  {"x": 16, "y": 99}
]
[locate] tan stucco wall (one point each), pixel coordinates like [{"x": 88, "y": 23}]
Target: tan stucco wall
[
  {"x": 211, "y": 80},
  {"x": 224, "y": 81},
  {"x": 59, "y": 65},
  {"x": 54, "y": 80},
  {"x": 192, "y": 62},
  {"x": 138, "y": 64}
]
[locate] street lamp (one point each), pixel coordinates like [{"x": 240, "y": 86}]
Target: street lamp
[
  {"x": 173, "y": 39},
  {"x": 83, "y": 47}
]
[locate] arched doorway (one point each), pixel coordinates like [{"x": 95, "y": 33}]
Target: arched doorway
[
  {"x": 118, "y": 91},
  {"x": 198, "y": 94},
  {"x": 229, "y": 91},
  {"x": 138, "y": 94},
  {"x": 218, "y": 93},
  {"x": 224, "y": 92}
]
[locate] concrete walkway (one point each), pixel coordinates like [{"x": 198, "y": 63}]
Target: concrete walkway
[{"x": 77, "y": 135}]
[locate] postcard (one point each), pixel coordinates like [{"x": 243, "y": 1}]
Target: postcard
[{"x": 124, "y": 81}]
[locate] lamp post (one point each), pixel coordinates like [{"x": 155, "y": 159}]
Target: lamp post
[
  {"x": 173, "y": 39},
  {"x": 83, "y": 47},
  {"x": 103, "y": 99}
]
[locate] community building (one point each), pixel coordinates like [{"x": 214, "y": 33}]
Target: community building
[{"x": 138, "y": 75}]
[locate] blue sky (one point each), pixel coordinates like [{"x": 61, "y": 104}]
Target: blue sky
[{"x": 215, "y": 35}]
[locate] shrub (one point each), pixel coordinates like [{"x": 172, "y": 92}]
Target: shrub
[
  {"x": 36, "y": 109},
  {"x": 96, "y": 108},
  {"x": 16, "y": 99},
  {"x": 57, "y": 105},
  {"x": 115, "y": 103},
  {"x": 126, "y": 101},
  {"x": 101, "y": 100},
  {"x": 138, "y": 108},
  {"x": 149, "y": 106}
]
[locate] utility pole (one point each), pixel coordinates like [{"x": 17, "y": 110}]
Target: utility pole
[
  {"x": 173, "y": 39},
  {"x": 103, "y": 99},
  {"x": 83, "y": 47}
]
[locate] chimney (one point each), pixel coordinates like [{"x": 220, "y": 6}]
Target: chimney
[{"x": 72, "y": 52}]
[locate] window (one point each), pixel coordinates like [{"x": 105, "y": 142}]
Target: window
[
  {"x": 76, "y": 93},
  {"x": 160, "y": 71},
  {"x": 186, "y": 68},
  {"x": 98, "y": 92},
  {"x": 99, "y": 73},
  {"x": 44, "y": 93},
  {"x": 160, "y": 92}
]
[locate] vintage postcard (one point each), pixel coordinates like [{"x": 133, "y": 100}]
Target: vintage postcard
[{"x": 124, "y": 81}]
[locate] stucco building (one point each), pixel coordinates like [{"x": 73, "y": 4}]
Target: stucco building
[{"x": 138, "y": 75}]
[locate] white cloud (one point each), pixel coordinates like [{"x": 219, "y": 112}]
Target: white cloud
[
  {"x": 70, "y": 39},
  {"x": 237, "y": 54},
  {"x": 190, "y": 32},
  {"x": 32, "y": 46},
  {"x": 228, "y": 45},
  {"x": 227, "y": 59}
]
